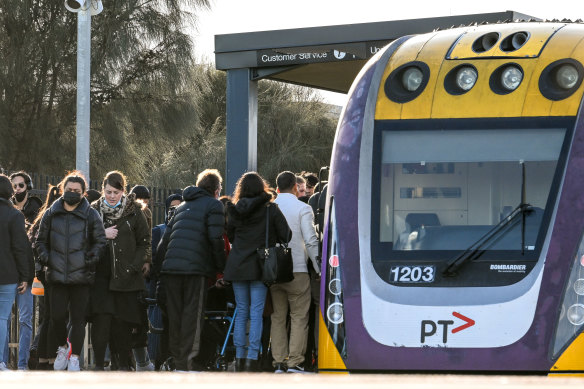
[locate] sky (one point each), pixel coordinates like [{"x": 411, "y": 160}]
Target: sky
[{"x": 235, "y": 16}]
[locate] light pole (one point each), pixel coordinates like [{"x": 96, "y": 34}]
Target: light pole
[{"x": 84, "y": 10}]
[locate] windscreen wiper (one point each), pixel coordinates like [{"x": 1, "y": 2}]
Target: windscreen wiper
[{"x": 471, "y": 252}]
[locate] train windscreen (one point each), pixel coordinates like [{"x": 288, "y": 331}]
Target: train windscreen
[{"x": 444, "y": 190}]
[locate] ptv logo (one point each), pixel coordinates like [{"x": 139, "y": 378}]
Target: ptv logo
[{"x": 429, "y": 327}]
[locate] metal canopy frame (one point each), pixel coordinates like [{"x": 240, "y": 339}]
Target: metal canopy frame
[{"x": 328, "y": 58}]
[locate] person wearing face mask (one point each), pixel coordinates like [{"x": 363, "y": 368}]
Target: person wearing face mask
[
  {"x": 22, "y": 200},
  {"x": 14, "y": 253},
  {"x": 29, "y": 206},
  {"x": 115, "y": 309},
  {"x": 69, "y": 241}
]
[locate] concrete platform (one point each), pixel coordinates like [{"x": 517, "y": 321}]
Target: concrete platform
[{"x": 165, "y": 380}]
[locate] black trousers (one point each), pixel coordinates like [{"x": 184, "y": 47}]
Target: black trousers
[
  {"x": 46, "y": 349},
  {"x": 118, "y": 333},
  {"x": 185, "y": 302},
  {"x": 73, "y": 299}
]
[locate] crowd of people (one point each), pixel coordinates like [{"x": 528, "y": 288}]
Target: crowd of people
[{"x": 97, "y": 259}]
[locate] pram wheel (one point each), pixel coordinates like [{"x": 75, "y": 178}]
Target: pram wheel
[{"x": 221, "y": 364}]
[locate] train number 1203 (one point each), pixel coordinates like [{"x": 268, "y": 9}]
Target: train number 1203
[{"x": 412, "y": 273}]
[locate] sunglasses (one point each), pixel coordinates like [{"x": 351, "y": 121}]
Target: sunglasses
[{"x": 19, "y": 185}]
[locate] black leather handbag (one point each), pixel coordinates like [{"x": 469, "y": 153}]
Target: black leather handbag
[{"x": 276, "y": 262}]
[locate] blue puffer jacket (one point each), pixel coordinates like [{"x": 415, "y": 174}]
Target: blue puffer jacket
[{"x": 193, "y": 241}]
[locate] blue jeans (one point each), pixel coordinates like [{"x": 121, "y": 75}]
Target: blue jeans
[
  {"x": 250, "y": 297},
  {"x": 7, "y": 293},
  {"x": 24, "y": 303}
]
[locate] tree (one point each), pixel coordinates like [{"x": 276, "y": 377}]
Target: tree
[
  {"x": 295, "y": 132},
  {"x": 142, "y": 94}
]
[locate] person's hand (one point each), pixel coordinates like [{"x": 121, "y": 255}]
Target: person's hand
[
  {"x": 44, "y": 260},
  {"x": 220, "y": 283},
  {"x": 22, "y": 287},
  {"x": 111, "y": 232},
  {"x": 146, "y": 270}
]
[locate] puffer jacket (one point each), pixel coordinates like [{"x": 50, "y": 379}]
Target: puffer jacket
[
  {"x": 193, "y": 241},
  {"x": 246, "y": 230},
  {"x": 15, "y": 251},
  {"x": 69, "y": 243},
  {"x": 128, "y": 251}
]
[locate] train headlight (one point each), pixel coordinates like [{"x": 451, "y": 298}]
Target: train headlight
[
  {"x": 334, "y": 313},
  {"x": 560, "y": 79},
  {"x": 466, "y": 78},
  {"x": 579, "y": 286},
  {"x": 570, "y": 322},
  {"x": 567, "y": 76},
  {"x": 576, "y": 314},
  {"x": 511, "y": 78},
  {"x": 506, "y": 78},
  {"x": 412, "y": 79},
  {"x": 407, "y": 82}
]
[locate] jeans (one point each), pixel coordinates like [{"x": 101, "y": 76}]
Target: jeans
[
  {"x": 7, "y": 294},
  {"x": 25, "y": 305},
  {"x": 250, "y": 298}
]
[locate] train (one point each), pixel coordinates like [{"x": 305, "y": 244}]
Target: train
[{"x": 454, "y": 219}]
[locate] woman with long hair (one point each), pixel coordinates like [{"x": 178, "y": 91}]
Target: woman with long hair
[
  {"x": 15, "y": 254},
  {"x": 115, "y": 309},
  {"x": 246, "y": 229},
  {"x": 68, "y": 243},
  {"x": 45, "y": 347}
]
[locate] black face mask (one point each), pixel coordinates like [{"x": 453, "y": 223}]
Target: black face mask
[
  {"x": 72, "y": 198},
  {"x": 20, "y": 196}
]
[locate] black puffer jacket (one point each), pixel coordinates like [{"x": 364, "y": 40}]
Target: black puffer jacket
[
  {"x": 69, "y": 243},
  {"x": 193, "y": 241},
  {"x": 15, "y": 250},
  {"x": 246, "y": 230}
]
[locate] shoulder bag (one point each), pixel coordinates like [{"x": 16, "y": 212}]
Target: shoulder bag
[{"x": 276, "y": 262}]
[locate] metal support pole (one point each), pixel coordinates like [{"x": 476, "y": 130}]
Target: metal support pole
[
  {"x": 242, "y": 126},
  {"x": 83, "y": 90}
]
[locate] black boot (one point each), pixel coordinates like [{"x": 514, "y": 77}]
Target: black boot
[
  {"x": 251, "y": 364},
  {"x": 239, "y": 364}
]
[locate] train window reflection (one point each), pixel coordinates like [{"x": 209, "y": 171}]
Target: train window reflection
[{"x": 443, "y": 190}]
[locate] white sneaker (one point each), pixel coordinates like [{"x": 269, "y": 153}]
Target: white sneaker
[
  {"x": 73, "y": 364},
  {"x": 148, "y": 367},
  {"x": 63, "y": 355},
  {"x": 3, "y": 367}
]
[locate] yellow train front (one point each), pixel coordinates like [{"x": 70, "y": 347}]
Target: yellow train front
[{"x": 455, "y": 209}]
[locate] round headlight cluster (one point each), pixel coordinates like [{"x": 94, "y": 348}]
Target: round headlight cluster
[
  {"x": 407, "y": 82},
  {"x": 560, "y": 79},
  {"x": 334, "y": 313},
  {"x": 576, "y": 314},
  {"x": 461, "y": 79},
  {"x": 506, "y": 78},
  {"x": 511, "y": 77},
  {"x": 412, "y": 79},
  {"x": 466, "y": 77},
  {"x": 567, "y": 76}
]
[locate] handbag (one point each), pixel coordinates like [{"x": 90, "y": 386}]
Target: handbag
[{"x": 276, "y": 262}]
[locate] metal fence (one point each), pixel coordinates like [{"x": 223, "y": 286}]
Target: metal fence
[{"x": 40, "y": 188}]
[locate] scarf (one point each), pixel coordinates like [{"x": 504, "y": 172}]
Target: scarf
[{"x": 109, "y": 214}]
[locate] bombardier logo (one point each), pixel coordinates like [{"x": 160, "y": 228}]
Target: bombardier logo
[
  {"x": 429, "y": 327},
  {"x": 509, "y": 268}
]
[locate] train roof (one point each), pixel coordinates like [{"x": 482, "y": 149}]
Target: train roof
[{"x": 537, "y": 50}]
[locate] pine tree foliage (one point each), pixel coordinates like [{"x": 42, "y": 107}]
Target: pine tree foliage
[
  {"x": 142, "y": 88},
  {"x": 155, "y": 114},
  {"x": 295, "y": 132}
]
